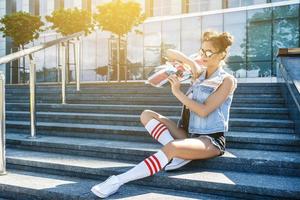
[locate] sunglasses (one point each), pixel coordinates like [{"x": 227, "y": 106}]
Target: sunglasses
[{"x": 207, "y": 53}]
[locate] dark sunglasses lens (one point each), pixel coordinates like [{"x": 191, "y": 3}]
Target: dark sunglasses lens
[{"x": 208, "y": 54}]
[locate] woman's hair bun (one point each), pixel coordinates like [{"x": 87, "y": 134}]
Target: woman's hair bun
[
  {"x": 227, "y": 38},
  {"x": 220, "y": 40}
]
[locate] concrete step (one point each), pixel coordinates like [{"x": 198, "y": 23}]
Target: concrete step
[
  {"x": 263, "y": 87},
  {"x": 236, "y": 103},
  {"x": 39, "y": 185},
  {"x": 243, "y": 112},
  {"x": 134, "y": 120},
  {"x": 124, "y": 92},
  {"x": 244, "y": 160},
  {"x": 78, "y": 128},
  {"x": 249, "y": 185},
  {"x": 139, "y": 99},
  {"x": 245, "y": 140}
]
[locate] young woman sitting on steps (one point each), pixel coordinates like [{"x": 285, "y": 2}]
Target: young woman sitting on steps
[{"x": 205, "y": 115}]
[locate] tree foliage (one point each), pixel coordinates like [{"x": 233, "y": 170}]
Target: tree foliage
[
  {"x": 69, "y": 21},
  {"x": 22, "y": 27},
  {"x": 119, "y": 16}
]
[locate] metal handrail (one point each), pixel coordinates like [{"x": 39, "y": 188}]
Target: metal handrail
[
  {"x": 287, "y": 52},
  {"x": 26, "y": 52},
  {"x": 287, "y": 79},
  {"x": 32, "y": 80},
  {"x": 2, "y": 125},
  {"x": 292, "y": 85}
]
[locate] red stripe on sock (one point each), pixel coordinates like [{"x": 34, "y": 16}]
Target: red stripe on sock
[
  {"x": 157, "y": 161},
  {"x": 158, "y": 135},
  {"x": 148, "y": 165},
  {"x": 158, "y": 130},
  {"x": 153, "y": 164},
  {"x": 154, "y": 130}
]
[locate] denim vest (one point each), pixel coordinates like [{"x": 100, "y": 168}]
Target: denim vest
[{"x": 217, "y": 120}]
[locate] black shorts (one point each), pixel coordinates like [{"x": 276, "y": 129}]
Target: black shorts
[{"x": 218, "y": 139}]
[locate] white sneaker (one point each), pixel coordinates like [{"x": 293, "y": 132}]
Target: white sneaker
[
  {"x": 107, "y": 188},
  {"x": 176, "y": 163}
]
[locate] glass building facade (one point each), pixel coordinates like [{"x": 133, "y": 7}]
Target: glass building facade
[{"x": 259, "y": 28}]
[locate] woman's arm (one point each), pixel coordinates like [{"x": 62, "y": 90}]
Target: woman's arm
[
  {"x": 177, "y": 55},
  {"x": 211, "y": 103}
]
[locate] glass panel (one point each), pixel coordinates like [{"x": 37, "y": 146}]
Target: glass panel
[
  {"x": 22, "y": 5},
  {"x": 95, "y": 3},
  {"x": 259, "y": 69},
  {"x": 166, "y": 7},
  {"x": 237, "y": 69},
  {"x": 212, "y": 22},
  {"x": 102, "y": 55},
  {"x": 233, "y": 3},
  {"x": 157, "y": 8},
  {"x": 87, "y": 75},
  {"x": 172, "y": 7},
  {"x": 252, "y": 2},
  {"x": 170, "y": 35},
  {"x": 259, "y": 35},
  {"x": 285, "y": 34},
  {"x": 206, "y": 5},
  {"x": 46, "y": 7},
  {"x": 190, "y": 35},
  {"x": 235, "y": 24},
  {"x": 89, "y": 57},
  {"x": 51, "y": 65},
  {"x": 135, "y": 55},
  {"x": 194, "y": 6},
  {"x": 152, "y": 56},
  {"x": 40, "y": 61},
  {"x": 72, "y": 4},
  {"x": 286, "y": 11},
  {"x": 259, "y": 14},
  {"x": 278, "y": 0},
  {"x": 152, "y": 34}
]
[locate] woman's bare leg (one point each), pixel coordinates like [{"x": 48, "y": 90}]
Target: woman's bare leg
[
  {"x": 191, "y": 148},
  {"x": 177, "y": 133}
]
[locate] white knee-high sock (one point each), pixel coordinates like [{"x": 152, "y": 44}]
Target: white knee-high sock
[
  {"x": 147, "y": 167},
  {"x": 159, "y": 131}
]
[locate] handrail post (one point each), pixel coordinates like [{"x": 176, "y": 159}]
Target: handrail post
[
  {"x": 63, "y": 71},
  {"x": 77, "y": 62},
  {"x": 32, "y": 96},
  {"x": 2, "y": 124}
]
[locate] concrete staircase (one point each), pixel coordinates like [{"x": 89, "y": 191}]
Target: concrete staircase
[{"x": 98, "y": 133}]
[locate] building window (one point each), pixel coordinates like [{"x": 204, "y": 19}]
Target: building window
[
  {"x": 22, "y": 5},
  {"x": 204, "y": 5},
  {"x": 166, "y": 7},
  {"x": 235, "y": 24},
  {"x": 73, "y": 3},
  {"x": 190, "y": 35}
]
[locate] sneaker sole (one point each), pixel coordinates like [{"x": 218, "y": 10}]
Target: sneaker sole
[
  {"x": 176, "y": 166},
  {"x": 98, "y": 194}
]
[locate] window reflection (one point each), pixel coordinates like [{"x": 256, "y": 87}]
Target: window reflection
[
  {"x": 166, "y": 7},
  {"x": 88, "y": 57},
  {"x": 235, "y": 24},
  {"x": 190, "y": 35},
  {"x": 204, "y": 5},
  {"x": 259, "y": 35},
  {"x": 51, "y": 66},
  {"x": 170, "y": 35},
  {"x": 212, "y": 22},
  {"x": 135, "y": 54}
]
